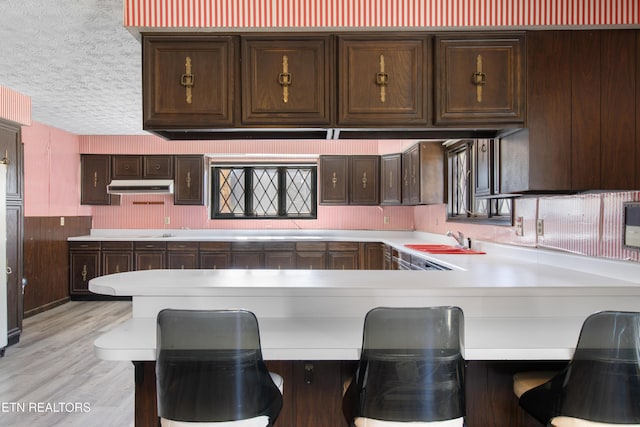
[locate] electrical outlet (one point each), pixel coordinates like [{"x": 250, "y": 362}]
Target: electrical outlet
[
  {"x": 385, "y": 219},
  {"x": 167, "y": 220},
  {"x": 519, "y": 226},
  {"x": 540, "y": 227},
  {"x": 61, "y": 221}
]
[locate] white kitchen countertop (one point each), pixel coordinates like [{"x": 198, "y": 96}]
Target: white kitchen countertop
[{"x": 519, "y": 303}]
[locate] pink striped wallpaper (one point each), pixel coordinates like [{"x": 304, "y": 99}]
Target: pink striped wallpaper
[
  {"x": 377, "y": 13},
  {"x": 15, "y": 106}
]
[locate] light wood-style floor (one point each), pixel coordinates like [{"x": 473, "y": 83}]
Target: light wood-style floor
[{"x": 53, "y": 378}]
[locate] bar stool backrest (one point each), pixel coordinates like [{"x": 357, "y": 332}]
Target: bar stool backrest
[
  {"x": 209, "y": 367},
  {"x": 602, "y": 381}
]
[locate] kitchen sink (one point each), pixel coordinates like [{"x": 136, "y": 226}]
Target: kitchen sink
[{"x": 443, "y": 249}]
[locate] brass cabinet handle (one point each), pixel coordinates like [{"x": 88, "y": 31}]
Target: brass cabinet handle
[
  {"x": 284, "y": 79},
  {"x": 334, "y": 179},
  {"x": 85, "y": 273},
  {"x": 117, "y": 268},
  {"x": 479, "y": 78},
  {"x": 95, "y": 179},
  {"x": 187, "y": 79},
  {"x": 5, "y": 160},
  {"x": 382, "y": 80},
  {"x": 390, "y": 179},
  {"x": 188, "y": 179},
  {"x": 364, "y": 180}
]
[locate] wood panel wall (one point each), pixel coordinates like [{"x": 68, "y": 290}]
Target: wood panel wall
[{"x": 46, "y": 259}]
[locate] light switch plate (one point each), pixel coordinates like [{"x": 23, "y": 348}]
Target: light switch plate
[{"x": 540, "y": 227}]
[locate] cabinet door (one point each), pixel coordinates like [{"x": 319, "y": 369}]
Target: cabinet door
[
  {"x": 333, "y": 175},
  {"x": 215, "y": 260},
  {"x": 149, "y": 255},
  {"x": 126, "y": 167},
  {"x": 189, "y": 180},
  {"x": 483, "y": 156},
  {"x": 11, "y": 150},
  {"x": 248, "y": 260},
  {"x": 95, "y": 175},
  {"x": 372, "y": 256},
  {"x": 382, "y": 81},
  {"x": 479, "y": 79},
  {"x": 306, "y": 260},
  {"x": 188, "y": 81},
  {"x": 116, "y": 262},
  {"x": 286, "y": 80},
  {"x": 182, "y": 255},
  {"x": 364, "y": 180},
  {"x": 84, "y": 266},
  {"x": 157, "y": 167},
  {"x": 15, "y": 294},
  {"x": 406, "y": 178},
  {"x": 279, "y": 260},
  {"x": 411, "y": 176},
  {"x": 391, "y": 179}
]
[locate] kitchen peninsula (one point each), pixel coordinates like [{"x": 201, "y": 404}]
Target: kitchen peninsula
[{"x": 523, "y": 308}]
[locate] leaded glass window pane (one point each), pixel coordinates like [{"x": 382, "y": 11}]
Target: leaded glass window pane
[
  {"x": 265, "y": 192},
  {"x": 231, "y": 191},
  {"x": 299, "y": 191}
]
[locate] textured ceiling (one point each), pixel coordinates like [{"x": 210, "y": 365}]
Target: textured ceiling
[{"x": 74, "y": 58}]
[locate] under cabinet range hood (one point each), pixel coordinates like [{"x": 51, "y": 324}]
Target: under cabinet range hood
[{"x": 140, "y": 186}]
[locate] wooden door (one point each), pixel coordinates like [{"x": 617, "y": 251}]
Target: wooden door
[
  {"x": 483, "y": 159},
  {"x": 84, "y": 265},
  {"x": 126, "y": 167},
  {"x": 157, "y": 167},
  {"x": 382, "y": 80},
  {"x": 334, "y": 180},
  {"x": 343, "y": 255},
  {"x": 406, "y": 177},
  {"x": 182, "y": 255},
  {"x": 372, "y": 256},
  {"x": 189, "y": 180},
  {"x": 215, "y": 260},
  {"x": 311, "y": 260},
  {"x": 247, "y": 260},
  {"x": 391, "y": 179},
  {"x": 279, "y": 260},
  {"x": 116, "y": 262},
  {"x": 188, "y": 81},
  {"x": 12, "y": 153},
  {"x": 364, "y": 180},
  {"x": 15, "y": 292},
  {"x": 480, "y": 79},
  {"x": 95, "y": 170},
  {"x": 286, "y": 80},
  {"x": 149, "y": 255}
]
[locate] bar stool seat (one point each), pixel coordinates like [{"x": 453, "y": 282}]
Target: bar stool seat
[
  {"x": 525, "y": 381},
  {"x": 577, "y": 422},
  {"x": 369, "y": 422}
]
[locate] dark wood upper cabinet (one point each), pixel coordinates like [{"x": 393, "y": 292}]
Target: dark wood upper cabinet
[
  {"x": 483, "y": 170},
  {"x": 157, "y": 167},
  {"x": 423, "y": 174},
  {"x": 364, "y": 180},
  {"x": 95, "y": 176},
  {"x": 383, "y": 80},
  {"x": 479, "y": 79},
  {"x": 391, "y": 179},
  {"x": 334, "y": 180},
  {"x": 189, "y": 180},
  {"x": 188, "y": 81},
  {"x": 11, "y": 151},
  {"x": 286, "y": 80},
  {"x": 126, "y": 167},
  {"x": 351, "y": 180}
]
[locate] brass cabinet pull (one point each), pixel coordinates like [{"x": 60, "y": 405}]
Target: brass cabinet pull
[
  {"x": 117, "y": 268},
  {"x": 84, "y": 273},
  {"x": 382, "y": 80},
  {"x": 187, "y": 79},
  {"x": 334, "y": 179},
  {"x": 390, "y": 179},
  {"x": 5, "y": 160},
  {"x": 479, "y": 78},
  {"x": 364, "y": 180},
  {"x": 188, "y": 179},
  {"x": 284, "y": 78},
  {"x": 95, "y": 179}
]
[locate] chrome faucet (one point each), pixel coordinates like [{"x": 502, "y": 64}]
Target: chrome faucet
[{"x": 459, "y": 238}]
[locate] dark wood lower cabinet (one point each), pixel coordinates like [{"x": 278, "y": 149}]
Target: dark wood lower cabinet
[{"x": 312, "y": 394}]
